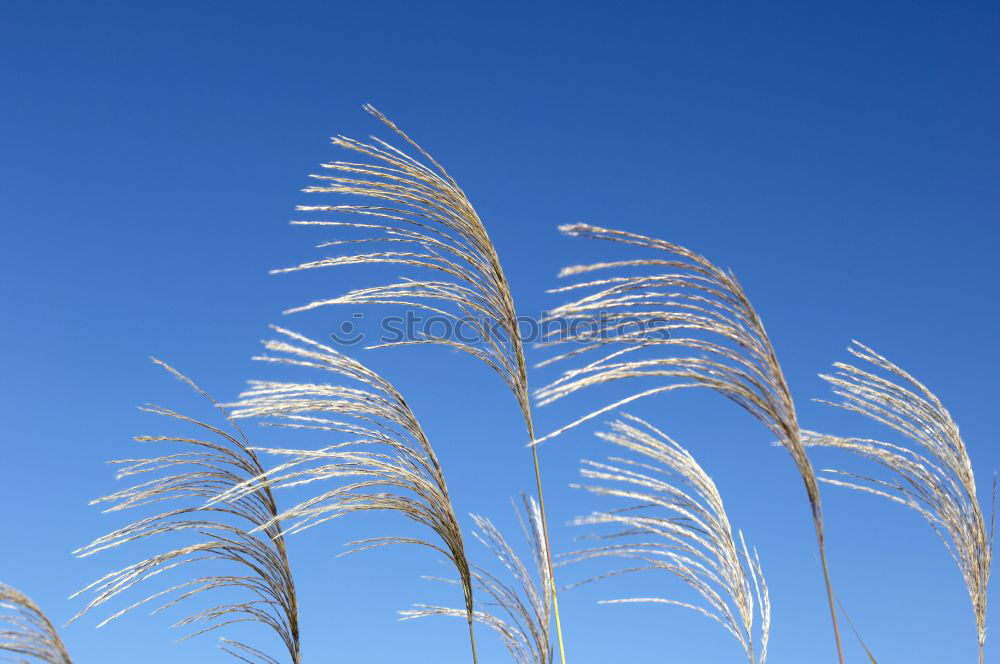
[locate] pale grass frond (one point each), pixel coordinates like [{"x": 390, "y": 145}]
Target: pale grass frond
[
  {"x": 673, "y": 520},
  {"x": 244, "y": 536},
  {"x": 26, "y": 633},
  {"x": 380, "y": 460},
  {"x": 518, "y": 604},
  {"x": 678, "y": 320},
  {"x": 415, "y": 215},
  {"x": 245, "y": 653},
  {"x": 933, "y": 477}
]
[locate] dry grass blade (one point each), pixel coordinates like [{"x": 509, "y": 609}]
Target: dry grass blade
[
  {"x": 934, "y": 477},
  {"x": 517, "y": 609},
  {"x": 382, "y": 458},
  {"x": 417, "y": 216},
  {"x": 857, "y": 634},
  {"x": 674, "y": 521},
  {"x": 26, "y": 632},
  {"x": 244, "y": 536},
  {"x": 687, "y": 324}
]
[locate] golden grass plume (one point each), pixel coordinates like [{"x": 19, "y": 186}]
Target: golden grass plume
[
  {"x": 673, "y": 520},
  {"x": 25, "y": 631},
  {"x": 244, "y": 534},
  {"x": 381, "y": 459},
  {"x": 932, "y": 476}
]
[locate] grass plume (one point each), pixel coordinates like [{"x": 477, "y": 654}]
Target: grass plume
[
  {"x": 674, "y": 521},
  {"x": 688, "y": 324},
  {"x": 382, "y": 458},
  {"x": 244, "y": 534},
  {"x": 25, "y": 631},
  {"x": 419, "y": 217},
  {"x": 932, "y": 476},
  {"x": 519, "y": 606}
]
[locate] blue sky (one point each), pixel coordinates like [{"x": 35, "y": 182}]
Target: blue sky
[{"x": 841, "y": 158}]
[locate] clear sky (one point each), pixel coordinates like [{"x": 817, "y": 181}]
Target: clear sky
[{"x": 842, "y": 158}]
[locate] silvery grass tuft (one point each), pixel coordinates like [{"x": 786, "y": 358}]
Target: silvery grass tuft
[
  {"x": 932, "y": 476},
  {"x": 673, "y": 520},
  {"x": 27, "y": 632},
  {"x": 380, "y": 457},
  {"x": 696, "y": 328},
  {"x": 417, "y": 216},
  {"x": 244, "y": 535},
  {"x": 520, "y": 613}
]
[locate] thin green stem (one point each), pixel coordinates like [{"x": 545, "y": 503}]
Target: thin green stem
[
  {"x": 472, "y": 640},
  {"x": 829, "y": 587},
  {"x": 548, "y": 552}
]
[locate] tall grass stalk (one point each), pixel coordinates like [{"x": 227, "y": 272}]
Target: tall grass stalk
[
  {"x": 688, "y": 324},
  {"x": 932, "y": 476},
  {"x": 519, "y": 612},
  {"x": 422, "y": 219}
]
